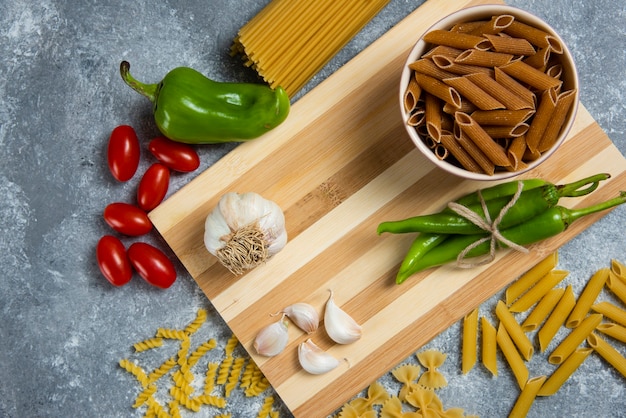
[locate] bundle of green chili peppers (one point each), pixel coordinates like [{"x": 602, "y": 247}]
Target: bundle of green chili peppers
[{"x": 525, "y": 212}]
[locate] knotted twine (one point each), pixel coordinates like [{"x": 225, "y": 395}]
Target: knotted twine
[{"x": 495, "y": 236}]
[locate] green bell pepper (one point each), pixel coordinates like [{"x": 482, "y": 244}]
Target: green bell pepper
[{"x": 191, "y": 108}]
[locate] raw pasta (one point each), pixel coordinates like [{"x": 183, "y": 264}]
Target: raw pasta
[
  {"x": 470, "y": 336},
  {"x": 610, "y": 311},
  {"x": 587, "y": 298},
  {"x": 608, "y": 352},
  {"x": 573, "y": 340},
  {"x": 514, "y": 330},
  {"x": 530, "y": 278},
  {"x": 489, "y": 346},
  {"x": 564, "y": 371},
  {"x": 615, "y": 331},
  {"x": 288, "y": 41},
  {"x": 197, "y": 322},
  {"x": 617, "y": 285},
  {"x": 512, "y": 356},
  {"x": 527, "y": 397},
  {"x": 556, "y": 319},
  {"x": 542, "y": 309},
  {"x": 148, "y": 344},
  {"x": 534, "y": 294},
  {"x": 495, "y": 70}
]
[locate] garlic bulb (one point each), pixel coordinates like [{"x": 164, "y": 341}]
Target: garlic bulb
[
  {"x": 272, "y": 339},
  {"x": 304, "y": 316},
  {"x": 244, "y": 230},
  {"x": 340, "y": 326},
  {"x": 315, "y": 360}
]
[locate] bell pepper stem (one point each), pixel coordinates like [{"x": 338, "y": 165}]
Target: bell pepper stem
[
  {"x": 148, "y": 90},
  {"x": 571, "y": 215}
]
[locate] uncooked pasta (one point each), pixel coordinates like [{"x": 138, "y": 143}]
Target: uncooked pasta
[{"x": 289, "y": 41}]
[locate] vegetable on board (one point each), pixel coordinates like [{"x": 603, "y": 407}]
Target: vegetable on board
[{"x": 191, "y": 108}]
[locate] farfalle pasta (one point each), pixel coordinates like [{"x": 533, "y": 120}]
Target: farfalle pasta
[{"x": 431, "y": 360}]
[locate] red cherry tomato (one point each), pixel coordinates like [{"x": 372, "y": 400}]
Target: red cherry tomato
[
  {"x": 152, "y": 264},
  {"x": 123, "y": 153},
  {"x": 127, "y": 219},
  {"x": 153, "y": 186},
  {"x": 113, "y": 260},
  {"x": 175, "y": 155}
]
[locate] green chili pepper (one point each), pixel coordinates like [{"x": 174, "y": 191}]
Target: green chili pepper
[
  {"x": 545, "y": 225},
  {"x": 189, "y": 107},
  {"x": 530, "y": 203}
]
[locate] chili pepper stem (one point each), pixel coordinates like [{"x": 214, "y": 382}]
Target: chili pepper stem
[
  {"x": 576, "y": 188},
  {"x": 571, "y": 215},
  {"x": 148, "y": 90}
]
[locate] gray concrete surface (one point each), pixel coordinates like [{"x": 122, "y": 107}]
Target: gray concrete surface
[{"x": 63, "y": 328}]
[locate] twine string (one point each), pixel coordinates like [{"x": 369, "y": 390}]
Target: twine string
[{"x": 494, "y": 237}]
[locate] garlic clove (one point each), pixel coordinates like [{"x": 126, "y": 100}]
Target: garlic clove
[
  {"x": 304, "y": 316},
  {"x": 272, "y": 339},
  {"x": 340, "y": 326},
  {"x": 315, "y": 360}
]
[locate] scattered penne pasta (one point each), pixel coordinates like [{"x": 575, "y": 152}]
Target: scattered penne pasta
[
  {"x": 608, "y": 352},
  {"x": 556, "y": 319},
  {"x": 542, "y": 309},
  {"x": 530, "y": 278},
  {"x": 470, "y": 336},
  {"x": 512, "y": 356},
  {"x": 543, "y": 286},
  {"x": 573, "y": 340},
  {"x": 611, "y": 311},
  {"x": 522, "y": 342},
  {"x": 587, "y": 298},
  {"x": 489, "y": 346},
  {"x": 527, "y": 397},
  {"x": 564, "y": 371}
]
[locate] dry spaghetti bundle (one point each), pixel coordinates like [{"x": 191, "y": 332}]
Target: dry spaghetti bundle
[{"x": 289, "y": 41}]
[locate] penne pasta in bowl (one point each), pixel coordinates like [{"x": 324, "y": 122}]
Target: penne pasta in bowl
[{"x": 489, "y": 92}]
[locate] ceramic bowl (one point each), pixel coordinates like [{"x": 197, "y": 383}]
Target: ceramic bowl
[{"x": 568, "y": 76}]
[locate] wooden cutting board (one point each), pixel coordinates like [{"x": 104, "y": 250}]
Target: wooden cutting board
[{"x": 338, "y": 166}]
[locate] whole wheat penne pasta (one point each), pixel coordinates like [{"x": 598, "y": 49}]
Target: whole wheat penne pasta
[
  {"x": 416, "y": 117},
  {"x": 619, "y": 269},
  {"x": 506, "y": 131},
  {"x": 527, "y": 397},
  {"x": 511, "y": 45},
  {"x": 534, "y": 35},
  {"x": 429, "y": 68},
  {"x": 501, "y": 117},
  {"x": 564, "y": 103},
  {"x": 514, "y": 330},
  {"x": 543, "y": 286},
  {"x": 574, "y": 339},
  {"x": 531, "y": 155},
  {"x": 470, "y": 91},
  {"x": 440, "y": 152},
  {"x": 487, "y": 145},
  {"x": 608, "y": 353},
  {"x": 615, "y": 331},
  {"x": 438, "y": 89},
  {"x": 456, "y": 39},
  {"x": 542, "y": 309},
  {"x": 489, "y": 346},
  {"x": 587, "y": 298},
  {"x": 483, "y": 58},
  {"x": 432, "y": 115},
  {"x": 447, "y": 51},
  {"x": 458, "y": 152},
  {"x": 509, "y": 99},
  {"x": 421, "y": 130},
  {"x": 555, "y": 71},
  {"x": 515, "y": 87},
  {"x": 530, "y": 75},
  {"x": 450, "y": 65},
  {"x": 564, "y": 371},
  {"x": 412, "y": 95},
  {"x": 467, "y": 27},
  {"x": 541, "y": 120},
  {"x": 610, "y": 311},
  {"x": 617, "y": 286},
  {"x": 495, "y": 25},
  {"x": 512, "y": 356},
  {"x": 474, "y": 151},
  {"x": 556, "y": 319},
  {"x": 470, "y": 340},
  {"x": 515, "y": 151},
  {"x": 466, "y": 107},
  {"x": 530, "y": 278},
  {"x": 539, "y": 59}
]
